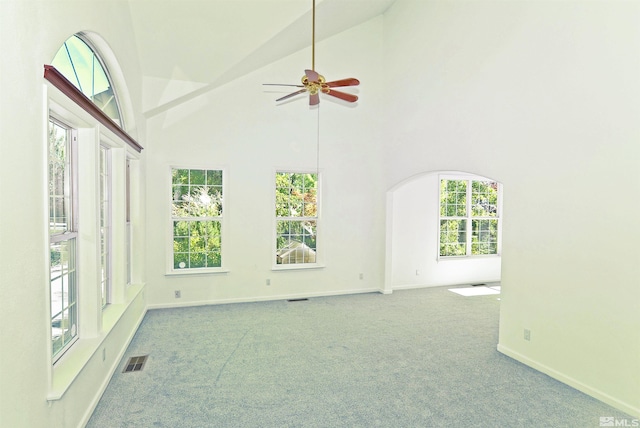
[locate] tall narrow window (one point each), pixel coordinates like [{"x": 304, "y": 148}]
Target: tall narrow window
[
  {"x": 196, "y": 214},
  {"x": 105, "y": 225},
  {"x": 63, "y": 235},
  {"x": 469, "y": 217},
  {"x": 296, "y": 217}
]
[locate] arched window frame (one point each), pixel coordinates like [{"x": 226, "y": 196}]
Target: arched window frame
[{"x": 87, "y": 67}]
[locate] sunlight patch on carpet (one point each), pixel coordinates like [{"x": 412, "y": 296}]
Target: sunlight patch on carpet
[{"x": 476, "y": 291}]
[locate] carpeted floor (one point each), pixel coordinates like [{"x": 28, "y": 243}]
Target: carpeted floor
[{"x": 415, "y": 358}]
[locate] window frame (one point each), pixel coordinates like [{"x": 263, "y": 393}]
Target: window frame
[
  {"x": 97, "y": 67},
  {"x": 70, "y": 235},
  {"x": 64, "y": 102},
  {"x": 170, "y": 267},
  {"x": 128, "y": 222},
  {"x": 469, "y": 218},
  {"x": 319, "y": 256},
  {"x": 105, "y": 218}
]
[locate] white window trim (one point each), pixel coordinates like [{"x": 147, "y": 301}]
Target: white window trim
[
  {"x": 170, "y": 271},
  {"x": 319, "y": 264},
  {"x": 93, "y": 328},
  {"x": 71, "y": 235},
  {"x": 469, "y": 177}
]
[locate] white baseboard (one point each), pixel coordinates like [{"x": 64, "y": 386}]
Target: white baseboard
[
  {"x": 594, "y": 392},
  {"x": 262, "y": 298},
  {"x": 112, "y": 370}
]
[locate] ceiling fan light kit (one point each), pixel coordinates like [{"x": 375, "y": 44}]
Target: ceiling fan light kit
[{"x": 314, "y": 83}]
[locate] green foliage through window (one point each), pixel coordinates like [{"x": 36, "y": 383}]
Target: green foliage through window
[
  {"x": 297, "y": 214},
  {"x": 197, "y": 218},
  {"x": 63, "y": 285}
]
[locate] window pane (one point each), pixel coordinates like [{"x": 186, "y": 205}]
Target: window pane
[
  {"x": 84, "y": 69},
  {"x": 453, "y": 198},
  {"x": 484, "y": 238},
  {"x": 296, "y": 242},
  {"x": 484, "y": 198},
  {"x": 59, "y": 182},
  {"x": 197, "y": 244},
  {"x": 196, "y": 201},
  {"x": 214, "y": 178},
  {"x": 296, "y": 195},
  {"x": 453, "y": 237},
  {"x": 197, "y": 260},
  {"x": 197, "y": 177},
  {"x": 180, "y": 260},
  {"x": 180, "y": 176},
  {"x": 63, "y": 293}
]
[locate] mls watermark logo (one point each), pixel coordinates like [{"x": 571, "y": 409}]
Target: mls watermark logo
[{"x": 610, "y": 421}]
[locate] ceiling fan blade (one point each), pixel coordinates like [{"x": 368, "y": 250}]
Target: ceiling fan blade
[
  {"x": 282, "y": 84},
  {"x": 342, "y": 95},
  {"x": 314, "y": 99},
  {"x": 312, "y": 75},
  {"x": 343, "y": 82},
  {"x": 293, "y": 94}
]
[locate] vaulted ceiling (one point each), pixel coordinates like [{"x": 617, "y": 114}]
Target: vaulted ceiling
[{"x": 199, "y": 45}]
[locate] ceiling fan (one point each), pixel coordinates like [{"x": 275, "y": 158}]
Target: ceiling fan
[{"x": 314, "y": 83}]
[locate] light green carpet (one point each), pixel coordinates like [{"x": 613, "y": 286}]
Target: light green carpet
[{"x": 415, "y": 358}]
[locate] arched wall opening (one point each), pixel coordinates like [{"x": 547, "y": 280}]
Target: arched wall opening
[{"x": 412, "y": 238}]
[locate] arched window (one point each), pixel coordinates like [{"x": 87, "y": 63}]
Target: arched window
[{"x": 82, "y": 66}]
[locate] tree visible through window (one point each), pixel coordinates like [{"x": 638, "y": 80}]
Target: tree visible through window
[
  {"x": 296, "y": 217},
  {"x": 197, "y": 218},
  {"x": 469, "y": 217},
  {"x": 62, "y": 239}
]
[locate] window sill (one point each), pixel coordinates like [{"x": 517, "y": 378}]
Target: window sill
[
  {"x": 297, "y": 266},
  {"x": 459, "y": 258},
  {"x": 184, "y": 272},
  {"x": 65, "y": 371}
]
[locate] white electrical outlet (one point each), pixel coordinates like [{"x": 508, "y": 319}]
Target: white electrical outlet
[
  {"x": 178, "y": 294},
  {"x": 361, "y": 276},
  {"x": 268, "y": 281},
  {"x": 527, "y": 334}
]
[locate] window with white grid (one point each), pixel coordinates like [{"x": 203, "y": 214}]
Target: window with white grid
[
  {"x": 63, "y": 234},
  {"x": 196, "y": 216},
  {"x": 469, "y": 217},
  {"x": 296, "y": 218}
]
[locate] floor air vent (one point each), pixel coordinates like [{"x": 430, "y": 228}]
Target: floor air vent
[
  {"x": 297, "y": 300},
  {"x": 135, "y": 364}
]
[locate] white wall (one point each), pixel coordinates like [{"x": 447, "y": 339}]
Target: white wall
[
  {"x": 543, "y": 97},
  {"x": 240, "y": 127},
  {"x": 413, "y": 226},
  {"x": 30, "y": 34}
]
